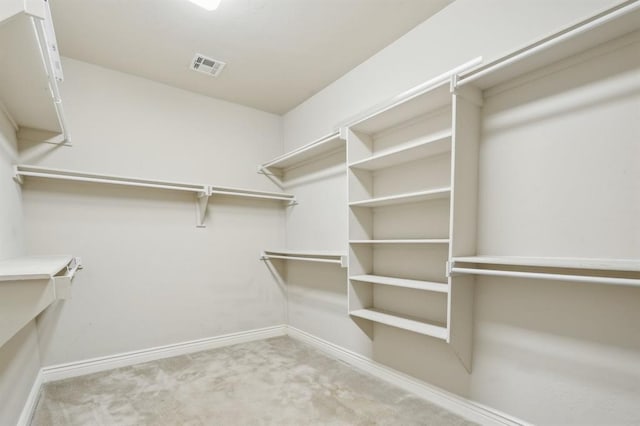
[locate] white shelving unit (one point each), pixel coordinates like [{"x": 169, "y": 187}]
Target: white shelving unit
[
  {"x": 28, "y": 85},
  {"x": 573, "y": 48},
  {"x": 277, "y": 169},
  {"x": 28, "y": 285},
  {"x": 310, "y": 152},
  {"x": 202, "y": 191},
  {"x": 408, "y": 157},
  {"x": 336, "y": 257}
]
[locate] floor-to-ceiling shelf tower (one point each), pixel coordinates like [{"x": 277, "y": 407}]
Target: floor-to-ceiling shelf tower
[{"x": 412, "y": 191}]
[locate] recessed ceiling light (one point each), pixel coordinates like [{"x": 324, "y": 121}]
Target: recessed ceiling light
[{"x": 207, "y": 4}]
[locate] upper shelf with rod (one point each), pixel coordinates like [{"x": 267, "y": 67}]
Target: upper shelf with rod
[
  {"x": 31, "y": 69},
  {"x": 323, "y": 146},
  {"x": 202, "y": 191},
  {"x": 594, "y": 31}
]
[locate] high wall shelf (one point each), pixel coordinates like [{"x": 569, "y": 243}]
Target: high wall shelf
[
  {"x": 28, "y": 285},
  {"x": 309, "y": 152},
  {"x": 202, "y": 191},
  {"x": 335, "y": 257},
  {"x": 30, "y": 69}
]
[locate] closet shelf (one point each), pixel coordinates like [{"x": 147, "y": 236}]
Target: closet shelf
[
  {"x": 404, "y": 322},
  {"x": 402, "y": 282},
  {"x": 306, "y": 153},
  {"x": 616, "y": 22},
  {"x": 403, "y": 241},
  {"x": 423, "y": 148},
  {"x": 28, "y": 285},
  {"x": 337, "y": 257},
  {"x": 411, "y": 197},
  {"x": 202, "y": 191},
  {"x": 28, "y": 86},
  {"x": 605, "y": 271}
]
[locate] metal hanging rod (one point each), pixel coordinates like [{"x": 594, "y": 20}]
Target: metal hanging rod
[{"x": 305, "y": 256}]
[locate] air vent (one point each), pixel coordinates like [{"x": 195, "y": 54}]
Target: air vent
[{"x": 207, "y": 65}]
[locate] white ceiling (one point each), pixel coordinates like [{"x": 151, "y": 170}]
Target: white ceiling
[{"x": 278, "y": 52}]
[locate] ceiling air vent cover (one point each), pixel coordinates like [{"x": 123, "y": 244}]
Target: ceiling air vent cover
[{"x": 207, "y": 65}]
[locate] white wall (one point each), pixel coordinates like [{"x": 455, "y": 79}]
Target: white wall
[
  {"x": 151, "y": 277},
  {"x": 19, "y": 360},
  {"x": 547, "y": 352}
]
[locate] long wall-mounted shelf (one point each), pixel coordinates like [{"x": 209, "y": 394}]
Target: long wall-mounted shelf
[
  {"x": 28, "y": 285},
  {"x": 203, "y": 191},
  {"x": 336, "y": 257},
  {"x": 604, "y": 271},
  {"x": 30, "y": 69},
  {"x": 316, "y": 149}
]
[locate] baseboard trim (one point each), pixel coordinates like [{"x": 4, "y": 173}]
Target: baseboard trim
[
  {"x": 31, "y": 402},
  {"x": 463, "y": 407},
  {"x": 94, "y": 365}
]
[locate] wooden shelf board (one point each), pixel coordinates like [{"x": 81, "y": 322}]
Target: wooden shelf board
[
  {"x": 630, "y": 265},
  {"x": 404, "y": 322},
  {"x": 32, "y": 267},
  {"x": 423, "y": 103},
  {"x": 403, "y": 241},
  {"x": 411, "y": 197},
  {"x": 423, "y": 148},
  {"x": 611, "y": 24},
  {"x": 402, "y": 282},
  {"x": 305, "y": 153}
]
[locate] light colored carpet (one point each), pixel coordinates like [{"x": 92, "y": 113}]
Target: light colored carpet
[{"x": 277, "y": 381}]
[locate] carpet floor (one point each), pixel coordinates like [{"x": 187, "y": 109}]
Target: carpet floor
[{"x": 278, "y": 381}]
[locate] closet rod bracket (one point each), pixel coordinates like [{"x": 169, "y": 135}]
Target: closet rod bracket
[{"x": 202, "y": 202}]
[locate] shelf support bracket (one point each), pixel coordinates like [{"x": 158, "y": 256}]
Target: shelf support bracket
[
  {"x": 202, "y": 202},
  {"x": 17, "y": 177}
]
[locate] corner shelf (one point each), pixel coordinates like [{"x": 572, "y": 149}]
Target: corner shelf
[
  {"x": 28, "y": 86},
  {"x": 411, "y": 197},
  {"x": 203, "y": 191},
  {"x": 306, "y": 153},
  {"x": 402, "y": 282},
  {"x": 337, "y": 257},
  {"x": 28, "y": 285},
  {"x": 604, "y": 271},
  {"x": 423, "y": 148},
  {"x": 403, "y": 322}
]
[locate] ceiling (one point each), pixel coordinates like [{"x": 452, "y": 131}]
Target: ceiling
[{"x": 278, "y": 52}]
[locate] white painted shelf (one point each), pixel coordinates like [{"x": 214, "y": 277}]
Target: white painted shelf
[
  {"x": 203, "y": 191},
  {"x": 404, "y": 241},
  {"x": 402, "y": 321},
  {"x": 411, "y": 197},
  {"x": 28, "y": 87},
  {"x": 603, "y": 271},
  {"x": 28, "y": 285},
  {"x": 616, "y": 22},
  {"x": 423, "y": 148},
  {"x": 304, "y": 154},
  {"x": 626, "y": 265},
  {"x": 402, "y": 282},
  {"x": 321, "y": 256}
]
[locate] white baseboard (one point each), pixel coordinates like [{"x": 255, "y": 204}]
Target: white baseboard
[
  {"x": 94, "y": 365},
  {"x": 454, "y": 403},
  {"x": 463, "y": 407},
  {"x": 32, "y": 400}
]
